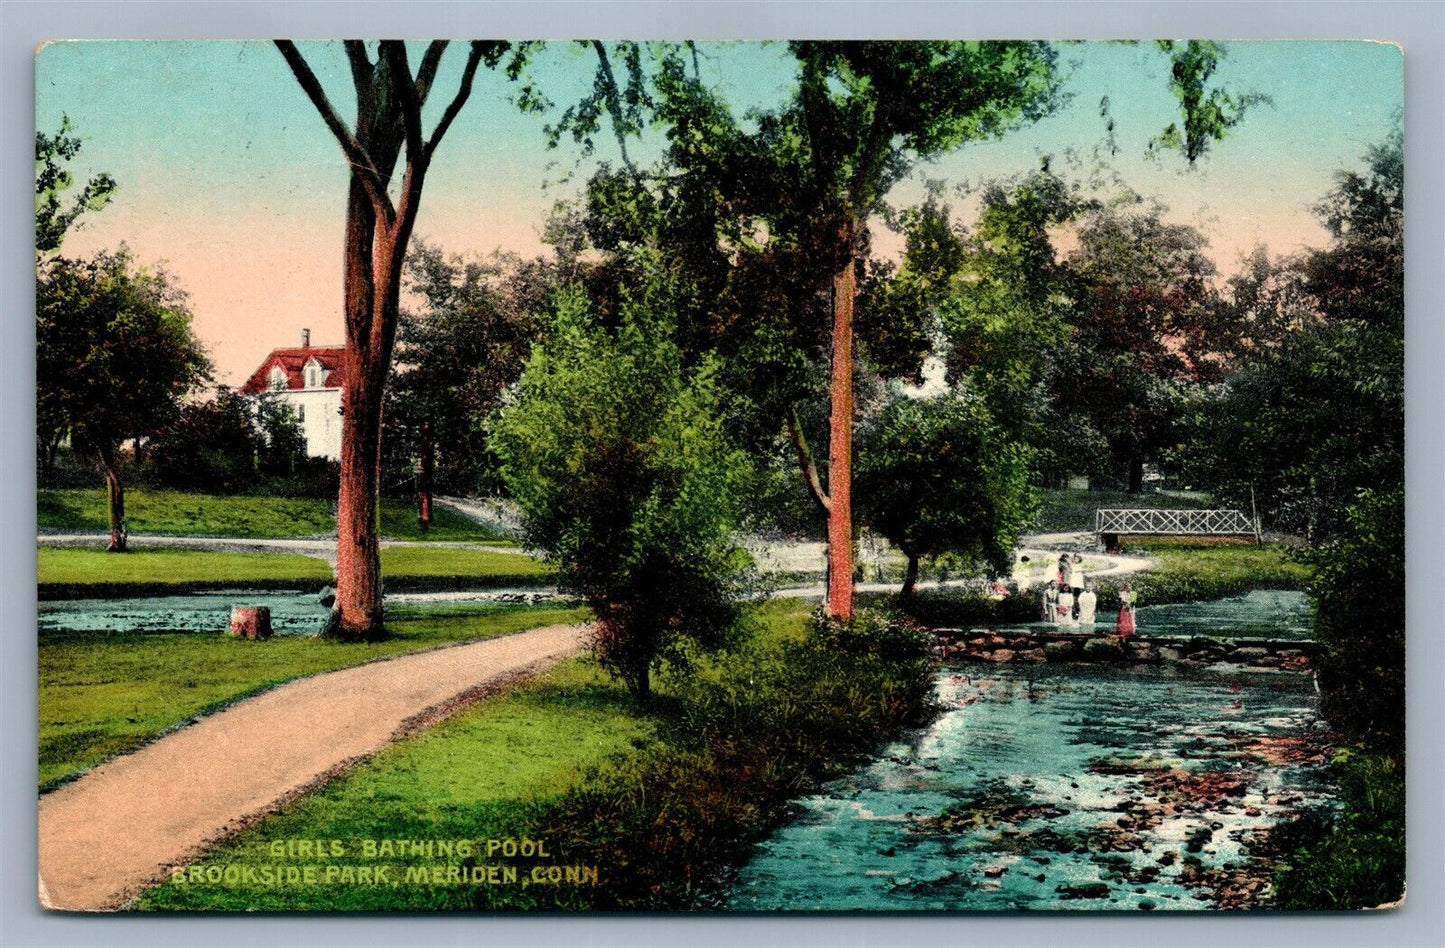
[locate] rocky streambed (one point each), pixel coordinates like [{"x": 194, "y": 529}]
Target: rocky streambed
[{"x": 1063, "y": 786}]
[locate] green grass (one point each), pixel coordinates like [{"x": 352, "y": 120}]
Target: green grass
[
  {"x": 1196, "y": 572},
  {"x": 1067, "y": 510},
  {"x": 448, "y": 566},
  {"x": 72, "y": 572},
  {"x": 60, "y": 567},
  {"x": 104, "y": 695},
  {"x": 188, "y": 514},
  {"x": 657, "y": 797},
  {"x": 484, "y": 773}
]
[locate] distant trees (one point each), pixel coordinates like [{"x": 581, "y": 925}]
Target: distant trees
[
  {"x": 626, "y": 480},
  {"x": 115, "y": 356},
  {"x": 456, "y": 354}
]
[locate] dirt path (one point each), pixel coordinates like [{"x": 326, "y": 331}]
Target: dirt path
[{"x": 119, "y": 828}]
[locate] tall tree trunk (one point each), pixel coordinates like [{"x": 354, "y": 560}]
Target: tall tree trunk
[
  {"x": 115, "y": 504},
  {"x": 1136, "y": 476},
  {"x": 428, "y": 466},
  {"x": 840, "y": 441},
  {"x": 358, "y": 552},
  {"x": 910, "y": 578}
]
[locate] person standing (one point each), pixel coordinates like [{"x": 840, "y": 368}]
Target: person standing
[
  {"x": 1051, "y": 602},
  {"x": 1088, "y": 604},
  {"x": 1066, "y": 609},
  {"x": 1124, "y": 628}
]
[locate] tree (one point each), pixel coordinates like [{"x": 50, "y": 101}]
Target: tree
[
  {"x": 52, "y": 220},
  {"x": 211, "y": 445},
  {"x": 938, "y": 478},
  {"x": 616, "y": 456},
  {"x": 389, "y": 102},
  {"x": 456, "y": 355},
  {"x": 1147, "y": 326},
  {"x": 115, "y": 355}
]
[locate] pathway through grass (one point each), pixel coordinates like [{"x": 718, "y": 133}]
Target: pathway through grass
[{"x": 105, "y": 695}]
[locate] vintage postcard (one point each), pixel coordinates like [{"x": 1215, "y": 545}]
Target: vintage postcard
[{"x": 930, "y": 476}]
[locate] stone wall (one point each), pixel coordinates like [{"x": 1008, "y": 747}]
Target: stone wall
[{"x": 1247, "y": 654}]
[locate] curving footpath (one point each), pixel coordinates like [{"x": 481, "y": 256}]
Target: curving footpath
[{"x": 121, "y": 827}]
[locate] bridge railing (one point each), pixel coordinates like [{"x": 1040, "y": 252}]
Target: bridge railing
[{"x": 1174, "y": 522}]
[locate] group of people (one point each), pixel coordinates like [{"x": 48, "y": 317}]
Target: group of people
[{"x": 1070, "y": 599}]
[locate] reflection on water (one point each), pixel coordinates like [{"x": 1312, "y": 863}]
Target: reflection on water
[{"x": 1053, "y": 787}]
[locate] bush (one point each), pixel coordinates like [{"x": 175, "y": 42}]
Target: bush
[
  {"x": 1354, "y": 858},
  {"x": 738, "y": 746},
  {"x": 1360, "y": 618},
  {"x": 625, "y": 479}
]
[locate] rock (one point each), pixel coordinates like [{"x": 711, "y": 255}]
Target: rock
[
  {"x": 1059, "y": 651},
  {"x": 251, "y": 622},
  {"x": 1170, "y": 654},
  {"x": 1002, "y": 655},
  {"x": 1083, "y": 890},
  {"x": 1246, "y": 653},
  {"x": 993, "y": 872},
  {"x": 1103, "y": 650},
  {"x": 327, "y": 597},
  {"x": 1033, "y": 655}
]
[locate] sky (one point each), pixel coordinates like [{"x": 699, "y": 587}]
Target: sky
[{"x": 227, "y": 174}]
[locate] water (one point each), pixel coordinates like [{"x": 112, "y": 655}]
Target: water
[
  {"x": 1275, "y": 613},
  {"x": 292, "y": 612},
  {"x": 1034, "y": 780}
]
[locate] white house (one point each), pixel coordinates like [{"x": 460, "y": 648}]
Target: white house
[{"x": 309, "y": 380}]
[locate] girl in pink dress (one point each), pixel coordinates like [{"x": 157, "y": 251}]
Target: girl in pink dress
[{"x": 1124, "y": 628}]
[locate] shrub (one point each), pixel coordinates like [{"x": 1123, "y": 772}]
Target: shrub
[
  {"x": 736, "y": 748},
  {"x": 615, "y": 454}
]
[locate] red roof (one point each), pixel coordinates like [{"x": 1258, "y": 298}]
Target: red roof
[{"x": 292, "y": 361}]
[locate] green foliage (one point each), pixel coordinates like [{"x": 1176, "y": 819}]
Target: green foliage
[
  {"x": 1360, "y": 618},
  {"x": 456, "y": 354},
  {"x": 740, "y": 745},
  {"x": 625, "y": 479},
  {"x": 939, "y": 479},
  {"x": 1353, "y": 858},
  {"x": 1186, "y": 572},
  {"x": 71, "y": 567},
  {"x": 115, "y": 352},
  {"x": 52, "y": 179},
  {"x": 1209, "y": 114}
]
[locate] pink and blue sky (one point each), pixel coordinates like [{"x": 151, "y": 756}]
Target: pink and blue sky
[{"x": 227, "y": 174}]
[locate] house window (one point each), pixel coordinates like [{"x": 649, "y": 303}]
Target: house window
[
  {"x": 277, "y": 379},
  {"x": 313, "y": 377},
  {"x": 300, "y": 413}
]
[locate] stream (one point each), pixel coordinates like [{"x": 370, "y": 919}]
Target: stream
[{"x": 1062, "y": 787}]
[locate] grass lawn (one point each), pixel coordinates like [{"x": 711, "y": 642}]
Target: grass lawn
[
  {"x": 1067, "y": 510},
  {"x": 1195, "y": 572},
  {"x": 68, "y": 566},
  {"x": 175, "y": 512},
  {"x": 105, "y": 695},
  {"x": 71, "y": 572},
  {"x": 404, "y": 566},
  {"x": 508, "y": 766}
]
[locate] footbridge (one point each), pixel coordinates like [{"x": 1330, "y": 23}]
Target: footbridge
[{"x": 1111, "y": 524}]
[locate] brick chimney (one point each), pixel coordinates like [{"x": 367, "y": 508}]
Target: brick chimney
[{"x": 306, "y": 339}]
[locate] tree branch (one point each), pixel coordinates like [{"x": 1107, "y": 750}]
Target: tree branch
[
  {"x": 403, "y": 87},
  {"x": 474, "y": 57},
  {"x": 806, "y": 466},
  {"x": 360, "y": 162},
  {"x": 614, "y": 102},
  {"x": 426, "y": 75}
]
